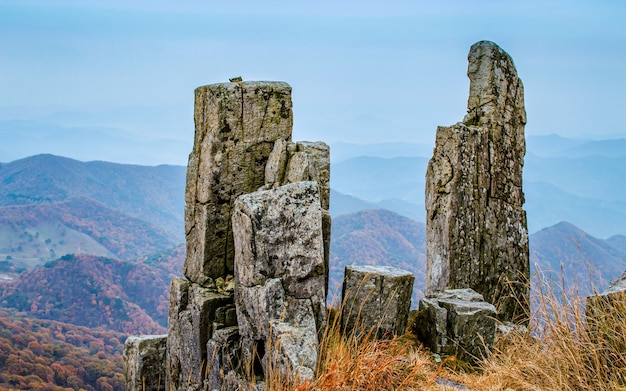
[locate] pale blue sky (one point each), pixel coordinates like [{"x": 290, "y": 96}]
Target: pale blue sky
[{"x": 361, "y": 71}]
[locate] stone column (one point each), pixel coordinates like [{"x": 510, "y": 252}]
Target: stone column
[
  {"x": 144, "y": 362},
  {"x": 477, "y": 235},
  {"x": 376, "y": 298},
  {"x": 237, "y": 125}
]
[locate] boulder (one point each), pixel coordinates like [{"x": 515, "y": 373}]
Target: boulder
[
  {"x": 237, "y": 125},
  {"x": 376, "y": 298},
  {"x": 144, "y": 360},
  {"x": 280, "y": 277},
  {"x": 456, "y": 322},
  {"x": 476, "y": 230}
]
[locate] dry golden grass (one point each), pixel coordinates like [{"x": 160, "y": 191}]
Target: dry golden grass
[{"x": 561, "y": 353}]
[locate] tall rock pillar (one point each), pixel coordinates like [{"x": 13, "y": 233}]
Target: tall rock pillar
[
  {"x": 237, "y": 125},
  {"x": 476, "y": 228}
]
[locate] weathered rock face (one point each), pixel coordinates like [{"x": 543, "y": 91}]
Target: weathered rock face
[
  {"x": 237, "y": 125},
  {"x": 144, "y": 359},
  {"x": 303, "y": 161},
  {"x": 195, "y": 313},
  {"x": 456, "y": 322},
  {"x": 280, "y": 276},
  {"x": 477, "y": 235},
  {"x": 376, "y": 298},
  {"x": 242, "y": 144},
  {"x": 223, "y": 359}
]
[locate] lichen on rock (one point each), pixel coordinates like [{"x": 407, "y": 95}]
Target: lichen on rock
[{"x": 477, "y": 236}]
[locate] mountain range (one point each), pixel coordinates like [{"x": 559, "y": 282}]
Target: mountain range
[
  {"x": 579, "y": 181},
  {"x": 96, "y": 244}
]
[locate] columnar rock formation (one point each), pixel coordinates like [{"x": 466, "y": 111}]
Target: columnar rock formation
[
  {"x": 237, "y": 125},
  {"x": 376, "y": 298},
  {"x": 145, "y": 362},
  {"x": 276, "y": 285},
  {"x": 476, "y": 228}
]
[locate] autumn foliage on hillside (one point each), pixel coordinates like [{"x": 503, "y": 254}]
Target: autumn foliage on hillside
[
  {"x": 94, "y": 292},
  {"x": 126, "y": 237},
  {"x": 46, "y": 355},
  {"x": 378, "y": 237}
]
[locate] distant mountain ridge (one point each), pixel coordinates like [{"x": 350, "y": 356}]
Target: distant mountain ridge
[
  {"x": 585, "y": 187},
  {"x": 155, "y": 194},
  {"x": 32, "y": 234},
  {"x": 381, "y": 237}
]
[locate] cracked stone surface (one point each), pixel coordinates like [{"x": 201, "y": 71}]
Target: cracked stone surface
[
  {"x": 144, "y": 362},
  {"x": 292, "y": 162},
  {"x": 280, "y": 276},
  {"x": 237, "y": 125},
  {"x": 477, "y": 236},
  {"x": 191, "y": 323},
  {"x": 376, "y": 297},
  {"x": 456, "y": 322}
]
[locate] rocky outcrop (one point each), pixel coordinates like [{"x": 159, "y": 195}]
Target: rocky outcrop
[
  {"x": 456, "y": 322},
  {"x": 280, "y": 277},
  {"x": 144, "y": 361},
  {"x": 237, "y": 125},
  {"x": 477, "y": 235},
  {"x": 377, "y": 299},
  {"x": 242, "y": 151}
]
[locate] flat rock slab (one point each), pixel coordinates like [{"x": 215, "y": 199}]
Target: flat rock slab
[
  {"x": 144, "y": 358},
  {"x": 456, "y": 322},
  {"x": 376, "y": 298}
]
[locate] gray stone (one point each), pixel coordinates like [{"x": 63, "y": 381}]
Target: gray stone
[
  {"x": 280, "y": 276},
  {"x": 292, "y": 162},
  {"x": 237, "y": 125},
  {"x": 191, "y": 323},
  {"x": 144, "y": 361},
  {"x": 477, "y": 235},
  {"x": 456, "y": 322},
  {"x": 376, "y": 298},
  {"x": 223, "y": 360}
]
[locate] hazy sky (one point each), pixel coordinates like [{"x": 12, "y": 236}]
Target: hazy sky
[{"x": 361, "y": 71}]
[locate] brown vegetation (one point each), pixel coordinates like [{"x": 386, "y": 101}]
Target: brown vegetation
[
  {"x": 46, "y": 355},
  {"x": 561, "y": 353}
]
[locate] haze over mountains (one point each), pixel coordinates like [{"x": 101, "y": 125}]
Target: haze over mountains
[
  {"x": 51, "y": 206},
  {"x": 579, "y": 181},
  {"x": 96, "y": 243}
]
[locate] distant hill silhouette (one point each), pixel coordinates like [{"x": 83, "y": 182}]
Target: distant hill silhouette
[
  {"x": 586, "y": 263},
  {"x": 92, "y": 291},
  {"x": 585, "y": 189},
  {"x": 36, "y": 233},
  {"x": 153, "y": 194},
  {"x": 381, "y": 237}
]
